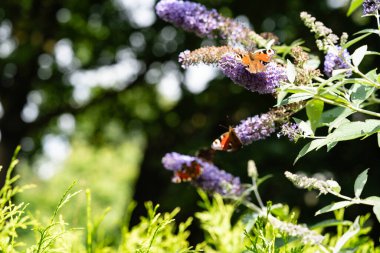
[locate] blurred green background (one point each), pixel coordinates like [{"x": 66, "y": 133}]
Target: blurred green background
[{"x": 93, "y": 92}]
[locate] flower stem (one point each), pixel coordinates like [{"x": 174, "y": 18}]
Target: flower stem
[{"x": 257, "y": 194}]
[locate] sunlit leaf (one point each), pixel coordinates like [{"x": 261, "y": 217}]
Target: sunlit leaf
[
  {"x": 359, "y": 93},
  {"x": 330, "y": 145},
  {"x": 280, "y": 97},
  {"x": 358, "y": 55},
  {"x": 357, "y": 39},
  {"x": 351, "y": 232},
  {"x": 313, "y": 145},
  {"x": 368, "y": 31},
  {"x": 305, "y": 127},
  {"x": 291, "y": 71},
  {"x": 312, "y": 63},
  {"x": 372, "y": 200},
  {"x": 353, "y": 130},
  {"x": 360, "y": 182},
  {"x": 334, "y": 206},
  {"x": 296, "y": 98},
  {"x": 331, "y": 95},
  {"x": 335, "y": 117},
  {"x": 336, "y": 72},
  {"x": 376, "y": 210},
  {"x": 331, "y": 223},
  {"x": 372, "y": 75},
  {"x": 314, "y": 109},
  {"x": 353, "y": 6}
]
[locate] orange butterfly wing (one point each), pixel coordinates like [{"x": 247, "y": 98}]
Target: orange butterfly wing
[
  {"x": 187, "y": 173},
  {"x": 227, "y": 142},
  {"x": 255, "y": 62},
  {"x": 262, "y": 56}
]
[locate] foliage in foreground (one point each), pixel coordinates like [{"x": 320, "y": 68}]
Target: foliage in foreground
[{"x": 270, "y": 228}]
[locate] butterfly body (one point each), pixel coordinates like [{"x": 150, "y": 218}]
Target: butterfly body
[
  {"x": 228, "y": 141},
  {"x": 256, "y": 62}
]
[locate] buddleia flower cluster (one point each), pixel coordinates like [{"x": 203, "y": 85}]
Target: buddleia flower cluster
[
  {"x": 371, "y": 6},
  {"x": 264, "y": 82},
  {"x": 211, "y": 179},
  {"x": 336, "y": 57},
  {"x": 306, "y": 235},
  {"x": 260, "y": 127},
  {"x": 324, "y": 187},
  {"x": 196, "y": 18},
  {"x": 324, "y": 35}
]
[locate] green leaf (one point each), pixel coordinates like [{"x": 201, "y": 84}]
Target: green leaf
[
  {"x": 376, "y": 211},
  {"x": 368, "y": 31},
  {"x": 290, "y": 71},
  {"x": 305, "y": 127},
  {"x": 313, "y": 62},
  {"x": 372, "y": 200},
  {"x": 280, "y": 97},
  {"x": 378, "y": 139},
  {"x": 372, "y": 75},
  {"x": 331, "y": 223},
  {"x": 357, "y": 39},
  {"x": 353, "y": 130},
  {"x": 351, "y": 232},
  {"x": 338, "y": 72},
  {"x": 360, "y": 182},
  {"x": 359, "y": 93},
  {"x": 334, "y": 116},
  {"x": 353, "y": 6},
  {"x": 314, "y": 109},
  {"x": 331, "y": 95},
  {"x": 296, "y": 98},
  {"x": 313, "y": 145},
  {"x": 337, "y": 123},
  {"x": 334, "y": 206},
  {"x": 330, "y": 145},
  {"x": 358, "y": 55}
]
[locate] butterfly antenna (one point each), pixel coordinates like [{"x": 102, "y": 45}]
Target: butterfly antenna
[{"x": 223, "y": 126}]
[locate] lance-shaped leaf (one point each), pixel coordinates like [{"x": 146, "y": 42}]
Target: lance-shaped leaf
[
  {"x": 358, "y": 55},
  {"x": 334, "y": 206},
  {"x": 360, "y": 182}
]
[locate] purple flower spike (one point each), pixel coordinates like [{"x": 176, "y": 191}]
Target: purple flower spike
[
  {"x": 336, "y": 58},
  {"x": 263, "y": 82},
  {"x": 192, "y": 17},
  {"x": 255, "y": 128},
  {"x": 371, "y": 6},
  {"x": 290, "y": 130},
  {"x": 211, "y": 179}
]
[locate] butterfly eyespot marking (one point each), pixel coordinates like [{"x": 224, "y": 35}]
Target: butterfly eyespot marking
[
  {"x": 256, "y": 62},
  {"x": 228, "y": 141},
  {"x": 270, "y": 51}
]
